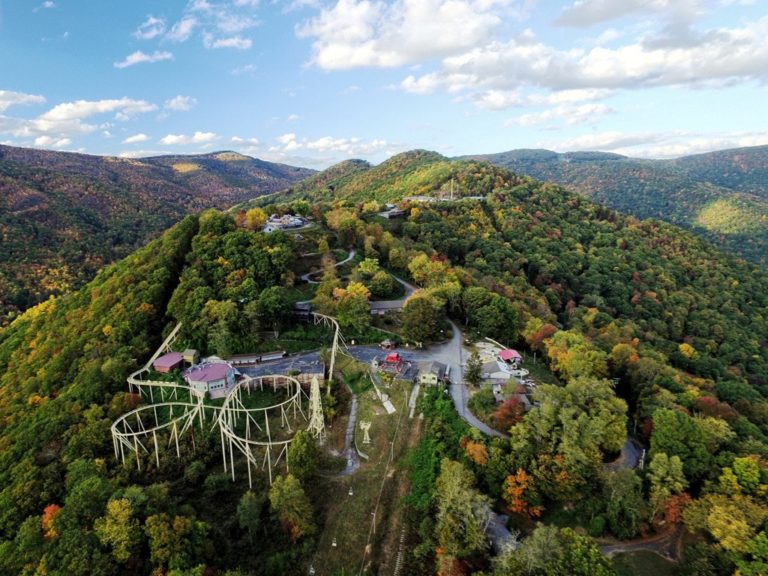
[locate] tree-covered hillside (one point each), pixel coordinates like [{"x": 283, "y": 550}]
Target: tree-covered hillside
[
  {"x": 64, "y": 216},
  {"x": 642, "y": 327},
  {"x": 742, "y": 169},
  {"x": 722, "y": 196}
]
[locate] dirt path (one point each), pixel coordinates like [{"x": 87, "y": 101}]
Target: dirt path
[{"x": 668, "y": 544}]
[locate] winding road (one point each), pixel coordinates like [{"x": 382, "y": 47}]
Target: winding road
[
  {"x": 667, "y": 544},
  {"x": 308, "y": 276}
]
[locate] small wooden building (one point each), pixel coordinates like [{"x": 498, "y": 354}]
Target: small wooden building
[
  {"x": 433, "y": 373},
  {"x": 191, "y": 356}
]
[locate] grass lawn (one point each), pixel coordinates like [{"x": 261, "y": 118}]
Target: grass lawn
[
  {"x": 348, "y": 517},
  {"x": 539, "y": 372},
  {"x": 643, "y": 563}
]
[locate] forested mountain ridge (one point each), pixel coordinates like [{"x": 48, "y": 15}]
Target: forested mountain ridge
[
  {"x": 722, "y": 196},
  {"x": 63, "y": 216},
  {"x": 597, "y": 294}
]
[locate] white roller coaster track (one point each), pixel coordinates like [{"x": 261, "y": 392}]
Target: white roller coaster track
[{"x": 175, "y": 409}]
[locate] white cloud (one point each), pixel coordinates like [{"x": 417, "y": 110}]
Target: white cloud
[
  {"x": 293, "y": 117},
  {"x": 68, "y": 112},
  {"x": 136, "y": 138},
  {"x": 347, "y": 146},
  {"x": 51, "y": 142},
  {"x": 182, "y": 30},
  {"x": 69, "y": 119},
  {"x": 251, "y": 3},
  {"x": 245, "y": 141},
  {"x": 236, "y": 42},
  {"x": 725, "y": 54},
  {"x": 499, "y": 99},
  {"x": 287, "y": 139},
  {"x": 151, "y": 28},
  {"x": 232, "y": 23},
  {"x": 569, "y": 113},
  {"x": 182, "y": 139},
  {"x": 574, "y": 95},
  {"x": 355, "y": 33},
  {"x": 658, "y": 144},
  {"x": 180, "y": 103},
  {"x": 80, "y": 109},
  {"x": 583, "y": 13},
  {"x": 140, "y": 57},
  {"x": 10, "y": 98}
]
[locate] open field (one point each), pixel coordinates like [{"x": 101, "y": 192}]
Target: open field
[{"x": 376, "y": 486}]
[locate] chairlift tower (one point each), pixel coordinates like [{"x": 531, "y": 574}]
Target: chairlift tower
[{"x": 316, "y": 420}]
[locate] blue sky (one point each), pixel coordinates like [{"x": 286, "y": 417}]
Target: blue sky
[{"x": 314, "y": 82}]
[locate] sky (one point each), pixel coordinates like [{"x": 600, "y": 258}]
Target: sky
[{"x": 315, "y": 82}]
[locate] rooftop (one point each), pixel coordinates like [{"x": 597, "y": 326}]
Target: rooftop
[
  {"x": 207, "y": 372},
  {"x": 168, "y": 360},
  {"x": 510, "y": 354}
]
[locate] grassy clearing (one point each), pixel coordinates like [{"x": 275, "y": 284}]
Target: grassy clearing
[
  {"x": 643, "y": 563},
  {"x": 348, "y": 518},
  {"x": 539, "y": 372},
  {"x": 356, "y": 376}
]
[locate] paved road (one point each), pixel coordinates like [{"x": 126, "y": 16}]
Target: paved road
[
  {"x": 449, "y": 353},
  {"x": 385, "y": 305},
  {"x": 630, "y": 456},
  {"x": 667, "y": 544},
  {"x": 308, "y": 276},
  {"x": 452, "y": 354}
]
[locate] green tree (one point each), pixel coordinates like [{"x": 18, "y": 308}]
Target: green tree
[
  {"x": 677, "y": 434},
  {"x": 747, "y": 470},
  {"x": 474, "y": 372},
  {"x": 422, "y": 315},
  {"x": 666, "y": 477},
  {"x": 352, "y": 307},
  {"x": 119, "y": 529},
  {"x": 175, "y": 543},
  {"x": 292, "y": 507},
  {"x": 624, "y": 502},
  {"x": 368, "y": 267},
  {"x": 382, "y": 284},
  {"x": 274, "y": 310},
  {"x": 302, "y": 456},
  {"x": 552, "y": 551},
  {"x": 563, "y": 441},
  {"x": 249, "y": 513},
  {"x": 462, "y": 511}
]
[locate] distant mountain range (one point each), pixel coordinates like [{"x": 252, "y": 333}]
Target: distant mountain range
[
  {"x": 63, "y": 215},
  {"x": 722, "y": 196}
]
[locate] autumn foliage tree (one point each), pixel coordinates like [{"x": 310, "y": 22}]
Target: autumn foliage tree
[
  {"x": 49, "y": 515},
  {"x": 509, "y": 413},
  {"x": 520, "y": 494}
]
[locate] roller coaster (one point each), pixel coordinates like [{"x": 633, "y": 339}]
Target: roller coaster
[{"x": 261, "y": 434}]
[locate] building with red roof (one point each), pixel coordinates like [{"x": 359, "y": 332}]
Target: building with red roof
[
  {"x": 168, "y": 362},
  {"x": 511, "y": 357}
]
